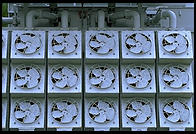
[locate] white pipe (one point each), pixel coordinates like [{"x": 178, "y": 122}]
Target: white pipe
[
  {"x": 7, "y": 20},
  {"x": 101, "y": 19},
  {"x": 64, "y": 19},
  {"x": 172, "y": 17},
  {"x": 128, "y": 13}
]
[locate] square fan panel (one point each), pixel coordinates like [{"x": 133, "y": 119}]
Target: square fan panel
[
  {"x": 27, "y": 78},
  {"x": 17, "y": 123},
  {"x": 4, "y": 79},
  {"x": 64, "y": 123},
  {"x": 177, "y": 45},
  {"x": 108, "y": 78},
  {"x": 4, "y": 44},
  {"x": 4, "y": 112},
  {"x": 143, "y": 82},
  {"x": 136, "y": 122},
  {"x": 33, "y": 46},
  {"x": 70, "y": 49},
  {"x": 57, "y": 84},
  {"x": 139, "y": 41},
  {"x": 180, "y": 81},
  {"x": 112, "y": 118},
  {"x": 101, "y": 45},
  {"x": 172, "y": 122}
]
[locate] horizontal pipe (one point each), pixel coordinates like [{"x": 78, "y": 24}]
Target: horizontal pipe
[{"x": 7, "y": 20}]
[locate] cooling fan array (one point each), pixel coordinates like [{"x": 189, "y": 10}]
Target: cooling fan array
[
  {"x": 138, "y": 76},
  {"x": 175, "y": 76},
  {"x": 175, "y": 43},
  {"x": 101, "y": 77},
  {"x": 64, "y": 43},
  {"x": 176, "y": 111},
  {"x": 27, "y": 76},
  {"x": 102, "y": 43},
  {"x": 27, "y": 111},
  {"x": 28, "y": 43},
  {"x": 64, "y": 111},
  {"x": 64, "y": 77},
  {"x": 138, "y": 111},
  {"x": 138, "y": 43},
  {"x": 101, "y": 111}
]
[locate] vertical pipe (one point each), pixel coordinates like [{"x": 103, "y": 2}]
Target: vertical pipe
[
  {"x": 101, "y": 19},
  {"x": 64, "y": 19}
]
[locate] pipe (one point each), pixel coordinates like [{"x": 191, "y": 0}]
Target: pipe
[
  {"x": 172, "y": 17},
  {"x": 101, "y": 19},
  {"x": 64, "y": 19},
  {"x": 7, "y": 20},
  {"x": 126, "y": 14}
]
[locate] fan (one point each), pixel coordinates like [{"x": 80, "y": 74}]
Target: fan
[
  {"x": 101, "y": 111},
  {"x": 64, "y": 43},
  {"x": 27, "y": 111},
  {"x": 27, "y": 76},
  {"x": 139, "y": 111},
  {"x": 64, "y": 111},
  {"x": 175, "y": 43},
  {"x": 138, "y": 43},
  {"x": 138, "y": 76},
  {"x": 175, "y": 76},
  {"x": 64, "y": 77},
  {"x": 101, "y": 77},
  {"x": 176, "y": 111},
  {"x": 102, "y": 43},
  {"x": 28, "y": 43}
]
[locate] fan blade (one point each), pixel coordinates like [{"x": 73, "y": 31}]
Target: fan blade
[
  {"x": 30, "y": 49},
  {"x": 184, "y": 114},
  {"x": 174, "y": 71},
  {"x": 67, "y": 71},
  {"x": 181, "y": 40},
  {"x": 22, "y": 72},
  {"x": 36, "y": 41},
  {"x": 59, "y": 39},
  {"x": 181, "y": 48},
  {"x": 139, "y": 37},
  {"x": 94, "y": 110},
  {"x": 94, "y": 44},
  {"x": 169, "y": 39},
  {"x": 102, "y": 105},
  {"x": 20, "y": 46},
  {"x": 136, "y": 105},
  {"x": 109, "y": 112},
  {"x": 108, "y": 74},
  {"x": 58, "y": 47},
  {"x": 70, "y": 39},
  {"x": 72, "y": 110},
  {"x": 95, "y": 81},
  {"x": 110, "y": 43},
  {"x": 146, "y": 47},
  {"x": 141, "y": 118},
  {"x": 174, "y": 117},
  {"x": 170, "y": 47},
  {"x": 176, "y": 83},
  {"x": 167, "y": 77},
  {"x": 97, "y": 72},
  {"x": 142, "y": 83},
  {"x": 104, "y": 49},
  {"x": 32, "y": 83},
  {"x": 61, "y": 105},
  {"x": 72, "y": 80},
  {"x": 19, "y": 114},
  {"x": 101, "y": 118},
  {"x": 145, "y": 74},
  {"x": 168, "y": 109},
  {"x": 57, "y": 75},
  {"x": 136, "y": 49},
  {"x": 146, "y": 110},
  {"x": 57, "y": 114},
  {"x": 134, "y": 71},
  {"x": 25, "y": 38},
  {"x": 21, "y": 82},
  {"x": 179, "y": 106},
  {"x": 62, "y": 83},
  {"x": 101, "y": 38},
  {"x": 131, "y": 113},
  {"x": 131, "y": 80},
  {"x": 130, "y": 41},
  {"x": 30, "y": 118},
  {"x": 69, "y": 48},
  {"x": 24, "y": 105},
  {"x": 106, "y": 83},
  {"x": 34, "y": 73},
  {"x": 34, "y": 109},
  {"x": 184, "y": 77},
  {"x": 67, "y": 117}
]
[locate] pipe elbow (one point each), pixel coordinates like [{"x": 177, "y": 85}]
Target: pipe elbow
[
  {"x": 136, "y": 18},
  {"x": 172, "y": 17},
  {"x": 30, "y": 16}
]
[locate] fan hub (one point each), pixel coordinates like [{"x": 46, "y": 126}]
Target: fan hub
[
  {"x": 27, "y": 112},
  {"x": 102, "y": 78}
]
